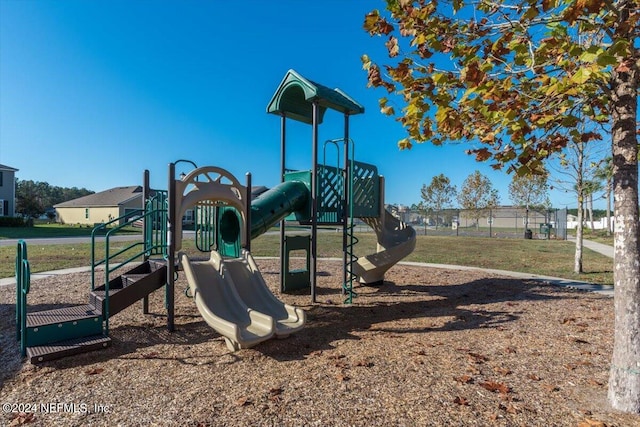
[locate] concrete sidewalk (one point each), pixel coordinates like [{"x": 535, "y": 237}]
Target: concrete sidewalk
[
  {"x": 551, "y": 280},
  {"x": 555, "y": 281},
  {"x": 601, "y": 248},
  {"x": 44, "y": 274}
]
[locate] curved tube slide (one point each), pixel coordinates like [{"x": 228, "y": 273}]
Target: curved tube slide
[{"x": 396, "y": 240}]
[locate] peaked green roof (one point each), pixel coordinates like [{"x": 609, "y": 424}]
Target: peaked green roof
[{"x": 296, "y": 94}]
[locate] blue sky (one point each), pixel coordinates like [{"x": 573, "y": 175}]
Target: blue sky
[{"x": 94, "y": 92}]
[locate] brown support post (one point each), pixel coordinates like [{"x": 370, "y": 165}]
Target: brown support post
[
  {"x": 169, "y": 296},
  {"x": 145, "y": 196},
  {"x": 283, "y": 139},
  {"x": 314, "y": 200},
  {"x": 247, "y": 224}
]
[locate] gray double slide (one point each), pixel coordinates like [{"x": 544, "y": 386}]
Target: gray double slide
[
  {"x": 232, "y": 296},
  {"x": 233, "y": 299}
]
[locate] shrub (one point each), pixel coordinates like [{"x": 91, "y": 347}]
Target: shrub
[{"x": 12, "y": 221}]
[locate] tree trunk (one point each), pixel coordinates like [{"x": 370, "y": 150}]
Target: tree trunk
[
  {"x": 609, "y": 189},
  {"x": 609, "y": 183},
  {"x": 624, "y": 379},
  {"x": 577, "y": 262},
  {"x": 591, "y": 210}
]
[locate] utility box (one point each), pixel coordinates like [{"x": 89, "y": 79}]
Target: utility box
[{"x": 546, "y": 230}]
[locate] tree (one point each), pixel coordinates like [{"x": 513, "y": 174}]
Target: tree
[
  {"x": 590, "y": 188},
  {"x": 34, "y": 198},
  {"x": 477, "y": 195},
  {"x": 574, "y": 174},
  {"x": 29, "y": 201},
  {"x": 517, "y": 79},
  {"x": 438, "y": 195},
  {"x": 604, "y": 172},
  {"x": 529, "y": 192}
]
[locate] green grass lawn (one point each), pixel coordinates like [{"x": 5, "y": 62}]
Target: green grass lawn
[
  {"x": 54, "y": 230},
  {"x": 548, "y": 257}
]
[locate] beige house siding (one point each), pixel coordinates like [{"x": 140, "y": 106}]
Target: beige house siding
[
  {"x": 95, "y": 215},
  {"x": 101, "y": 207}
]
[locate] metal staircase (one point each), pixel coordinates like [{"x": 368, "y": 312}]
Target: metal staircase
[
  {"x": 52, "y": 334},
  {"x": 56, "y": 333}
]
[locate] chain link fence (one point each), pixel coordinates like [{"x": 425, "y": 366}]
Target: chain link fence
[{"x": 504, "y": 222}]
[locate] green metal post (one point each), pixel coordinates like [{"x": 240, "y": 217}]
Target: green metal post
[
  {"x": 105, "y": 313},
  {"x": 21, "y": 255},
  {"x": 25, "y": 285}
]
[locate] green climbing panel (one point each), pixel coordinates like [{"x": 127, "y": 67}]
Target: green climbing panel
[{"x": 291, "y": 280}]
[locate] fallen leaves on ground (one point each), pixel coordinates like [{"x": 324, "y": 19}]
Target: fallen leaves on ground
[
  {"x": 461, "y": 401},
  {"x": 495, "y": 387}
]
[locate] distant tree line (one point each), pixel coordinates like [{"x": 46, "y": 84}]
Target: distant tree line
[
  {"x": 476, "y": 195},
  {"x": 34, "y": 199}
]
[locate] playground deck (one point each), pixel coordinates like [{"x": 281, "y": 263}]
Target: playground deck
[{"x": 429, "y": 347}]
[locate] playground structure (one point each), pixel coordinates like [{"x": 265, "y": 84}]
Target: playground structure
[{"x": 228, "y": 289}]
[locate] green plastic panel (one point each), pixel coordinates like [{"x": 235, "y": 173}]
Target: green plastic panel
[
  {"x": 229, "y": 235},
  {"x": 330, "y": 194},
  {"x": 366, "y": 191},
  {"x": 291, "y": 280},
  {"x": 295, "y": 94},
  {"x": 48, "y": 334}
]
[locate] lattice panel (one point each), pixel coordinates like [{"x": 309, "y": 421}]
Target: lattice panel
[
  {"x": 330, "y": 193},
  {"x": 366, "y": 190}
]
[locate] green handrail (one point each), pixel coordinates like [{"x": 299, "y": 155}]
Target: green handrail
[
  {"x": 155, "y": 243},
  {"x": 21, "y": 256},
  {"x": 23, "y": 285},
  {"x": 26, "y": 285}
]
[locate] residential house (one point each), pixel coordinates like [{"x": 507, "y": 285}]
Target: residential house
[
  {"x": 114, "y": 203},
  {"x": 7, "y": 190},
  {"x": 100, "y": 207}
]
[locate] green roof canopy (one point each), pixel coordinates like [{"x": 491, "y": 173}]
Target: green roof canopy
[{"x": 296, "y": 94}]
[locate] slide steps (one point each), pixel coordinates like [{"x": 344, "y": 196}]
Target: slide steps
[{"x": 56, "y": 333}]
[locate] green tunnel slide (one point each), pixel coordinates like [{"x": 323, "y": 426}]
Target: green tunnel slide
[{"x": 266, "y": 210}]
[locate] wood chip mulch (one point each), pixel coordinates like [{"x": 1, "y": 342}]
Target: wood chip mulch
[{"x": 429, "y": 347}]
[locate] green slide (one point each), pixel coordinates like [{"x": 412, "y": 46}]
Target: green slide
[{"x": 267, "y": 210}]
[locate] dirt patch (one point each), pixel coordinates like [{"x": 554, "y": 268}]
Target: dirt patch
[{"x": 428, "y": 347}]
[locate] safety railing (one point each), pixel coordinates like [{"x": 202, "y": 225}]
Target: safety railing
[
  {"x": 156, "y": 224},
  {"x": 155, "y": 242},
  {"x": 23, "y": 283},
  {"x": 205, "y": 223}
]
